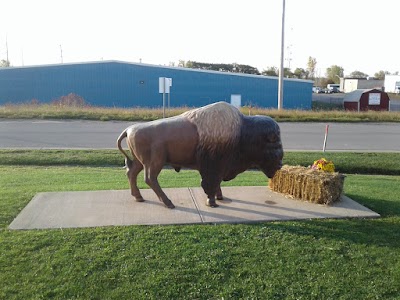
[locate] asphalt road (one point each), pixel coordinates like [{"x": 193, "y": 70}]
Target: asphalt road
[{"x": 39, "y": 134}]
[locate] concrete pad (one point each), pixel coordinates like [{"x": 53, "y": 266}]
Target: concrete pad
[
  {"x": 105, "y": 208},
  {"x": 259, "y": 203},
  {"x": 117, "y": 208}
]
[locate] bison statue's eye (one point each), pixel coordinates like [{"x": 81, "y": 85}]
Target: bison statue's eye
[{"x": 272, "y": 138}]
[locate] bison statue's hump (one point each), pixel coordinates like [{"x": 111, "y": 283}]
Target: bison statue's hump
[
  {"x": 218, "y": 125},
  {"x": 221, "y": 125}
]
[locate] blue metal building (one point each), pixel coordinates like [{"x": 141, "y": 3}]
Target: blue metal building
[{"x": 122, "y": 84}]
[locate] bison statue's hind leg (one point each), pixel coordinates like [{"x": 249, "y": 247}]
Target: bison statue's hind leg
[
  {"x": 133, "y": 168},
  {"x": 152, "y": 169},
  {"x": 151, "y": 172}
]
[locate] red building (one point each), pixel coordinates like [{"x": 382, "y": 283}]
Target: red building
[{"x": 363, "y": 100}]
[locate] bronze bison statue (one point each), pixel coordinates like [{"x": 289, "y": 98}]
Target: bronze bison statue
[{"x": 217, "y": 140}]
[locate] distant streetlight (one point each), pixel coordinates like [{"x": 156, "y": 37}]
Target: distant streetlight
[{"x": 280, "y": 84}]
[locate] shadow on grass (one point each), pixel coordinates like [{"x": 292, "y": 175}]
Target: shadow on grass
[
  {"x": 381, "y": 232},
  {"x": 376, "y": 232},
  {"x": 385, "y": 208}
]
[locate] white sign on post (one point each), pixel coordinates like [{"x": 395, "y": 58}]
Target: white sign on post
[
  {"x": 164, "y": 85},
  {"x": 161, "y": 85},
  {"x": 168, "y": 84}
]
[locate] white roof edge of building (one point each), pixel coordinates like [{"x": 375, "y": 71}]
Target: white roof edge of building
[{"x": 158, "y": 66}]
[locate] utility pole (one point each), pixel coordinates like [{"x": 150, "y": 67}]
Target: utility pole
[
  {"x": 8, "y": 62},
  {"x": 61, "y": 54},
  {"x": 289, "y": 55},
  {"x": 280, "y": 84}
]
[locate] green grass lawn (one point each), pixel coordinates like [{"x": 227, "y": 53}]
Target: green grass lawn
[
  {"x": 320, "y": 113},
  {"x": 345, "y": 162},
  {"x": 314, "y": 259}
]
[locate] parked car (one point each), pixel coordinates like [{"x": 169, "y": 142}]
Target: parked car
[
  {"x": 327, "y": 91},
  {"x": 334, "y": 89},
  {"x": 331, "y": 90},
  {"x": 317, "y": 90}
]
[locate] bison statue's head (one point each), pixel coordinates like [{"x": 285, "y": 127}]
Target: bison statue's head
[{"x": 261, "y": 141}]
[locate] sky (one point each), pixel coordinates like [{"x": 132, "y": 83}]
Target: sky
[{"x": 356, "y": 35}]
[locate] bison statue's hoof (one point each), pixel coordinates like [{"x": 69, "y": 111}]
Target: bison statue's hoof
[
  {"x": 211, "y": 203},
  {"x": 139, "y": 199},
  {"x": 169, "y": 204}
]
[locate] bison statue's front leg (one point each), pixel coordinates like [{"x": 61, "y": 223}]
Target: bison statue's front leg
[
  {"x": 210, "y": 194},
  {"x": 219, "y": 194},
  {"x": 210, "y": 171},
  {"x": 211, "y": 190}
]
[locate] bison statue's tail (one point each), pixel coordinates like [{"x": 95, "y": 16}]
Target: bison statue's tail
[{"x": 123, "y": 135}]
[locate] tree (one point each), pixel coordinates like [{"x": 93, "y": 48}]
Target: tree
[
  {"x": 4, "y": 63},
  {"x": 181, "y": 63},
  {"x": 323, "y": 82},
  {"x": 334, "y": 73},
  {"x": 270, "y": 71},
  {"x": 273, "y": 71},
  {"x": 189, "y": 64},
  {"x": 301, "y": 73},
  {"x": 234, "y": 68},
  {"x": 381, "y": 74},
  {"x": 311, "y": 66},
  {"x": 358, "y": 74},
  {"x": 246, "y": 69},
  {"x": 287, "y": 73}
]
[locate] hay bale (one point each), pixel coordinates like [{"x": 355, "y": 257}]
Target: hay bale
[{"x": 308, "y": 185}]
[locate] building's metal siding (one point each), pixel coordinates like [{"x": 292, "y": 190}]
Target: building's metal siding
[{"x": 130, "y": 85}]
